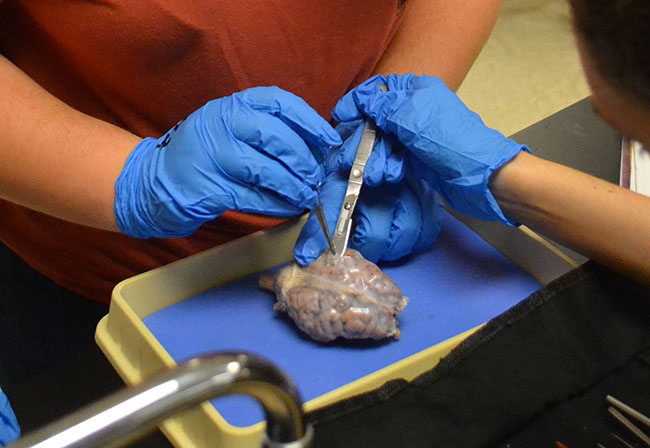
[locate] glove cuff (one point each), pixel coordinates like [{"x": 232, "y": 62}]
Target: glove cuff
[
  {"x": 479, "y": 202},
  {"x": 517, "y": 148},
  {"x": 132, "y": 218}
]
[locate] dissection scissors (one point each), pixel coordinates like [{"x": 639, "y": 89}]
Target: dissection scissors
[{"x": 339, "y": 242}]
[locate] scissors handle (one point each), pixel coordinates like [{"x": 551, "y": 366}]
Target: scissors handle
[{"x": 355, "y": 181}]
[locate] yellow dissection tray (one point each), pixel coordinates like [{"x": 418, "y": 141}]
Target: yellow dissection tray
[{"x": 211, "y": 301}]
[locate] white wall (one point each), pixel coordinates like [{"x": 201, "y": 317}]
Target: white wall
[{"x": 529, "y": 68}]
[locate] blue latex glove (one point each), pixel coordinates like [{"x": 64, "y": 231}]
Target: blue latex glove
[
  {"x": 9, "y": 428},
  {"x": 386, "y": 161},
  {"x": 255, "y": 151},
  {"x": 448, "y": 144},
  {"x": 391, "y": 220}
]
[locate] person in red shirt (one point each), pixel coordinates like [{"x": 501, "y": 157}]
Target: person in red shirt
[{"x": 100, "y": 181}]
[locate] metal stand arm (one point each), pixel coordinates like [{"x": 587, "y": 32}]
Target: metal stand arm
[{"x": 132, "y": 412}]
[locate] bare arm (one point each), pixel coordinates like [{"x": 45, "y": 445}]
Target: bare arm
[
  {"x": 603, "y": 221},
  {"x": 440, "y": 38},
  {"x": 55, "y": 159},
  {"x": 72, "y": 161}
]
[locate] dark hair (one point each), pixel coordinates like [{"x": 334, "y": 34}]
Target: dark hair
[{"x": 617, "y": 36}]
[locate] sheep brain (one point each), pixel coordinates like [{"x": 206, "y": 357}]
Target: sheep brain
[{"x": 348, "y": 297}]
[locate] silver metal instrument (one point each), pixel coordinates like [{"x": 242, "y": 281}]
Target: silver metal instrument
[
  {"x": 618, "y": 408},
  {"x": 355, "y": 181},
  {"x": 322, "y": 220},
  {"x": 132, "y": 412}
]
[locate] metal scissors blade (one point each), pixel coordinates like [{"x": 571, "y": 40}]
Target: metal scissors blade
[{"x": 355, "y": 181}]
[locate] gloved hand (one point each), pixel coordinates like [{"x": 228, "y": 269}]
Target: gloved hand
[
  {"x": 255, "y": 151},
  {"x": 386, "y": 161},
  {"x": 390, "y": 220},
  {"x": 9, "y": 428},
  {"x": 448, "y": 144}
]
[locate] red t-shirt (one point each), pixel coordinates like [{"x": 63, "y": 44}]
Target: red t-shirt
[{"x": 144, "y": 65}]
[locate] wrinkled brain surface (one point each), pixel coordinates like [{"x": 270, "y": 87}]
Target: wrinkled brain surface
[{"x": 348, "y": 297}]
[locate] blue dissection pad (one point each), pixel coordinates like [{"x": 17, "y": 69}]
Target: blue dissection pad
[{"x": 460, "y": 283}]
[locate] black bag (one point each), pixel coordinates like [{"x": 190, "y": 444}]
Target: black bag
[{"x": 536, "y": 375}]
